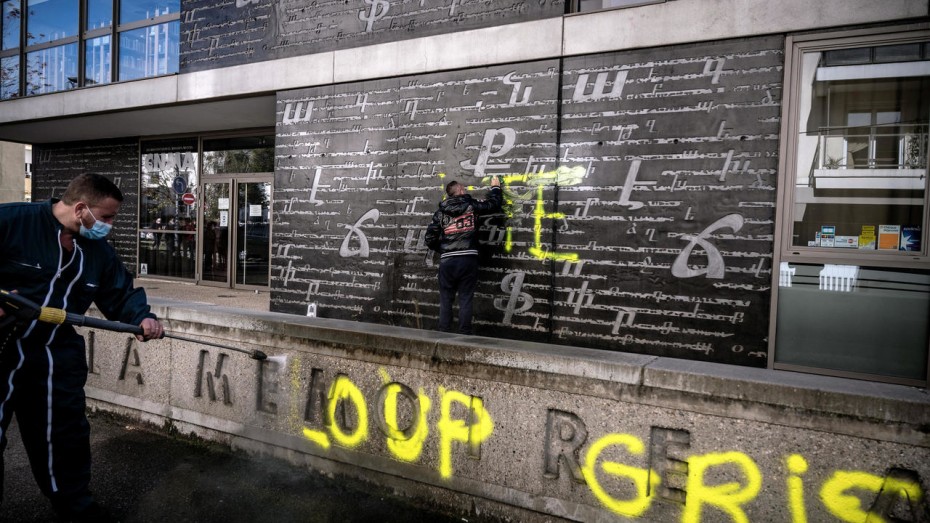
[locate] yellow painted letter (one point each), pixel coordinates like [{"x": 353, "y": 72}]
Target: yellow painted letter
[
  {"x": 457, "y": 430},
  {"x": 847, "y": 506},
  {"x": 634, "y": 507},
  {"x": 797, "y": 465},
  {"x": 728, "y": 497},
  {"x": 344, "y": 389}
]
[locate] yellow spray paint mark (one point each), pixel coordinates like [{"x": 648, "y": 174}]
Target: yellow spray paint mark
[
  {"x": 318, "y": 437},
  {"x": 796, "y": 465},
  {"x": 539, "y": 214},
  {"x": 344, "y": 390},
  {"x": 848, "y": 507},
  {"x": 385, "y": 377},
  {"x": 728, "y": 497},
  {"x": 458, "y": 430},
  {"x": 403, "y": 448},
  {"x": 563, "y": 176},
  {"x": 641, "y": 478}
]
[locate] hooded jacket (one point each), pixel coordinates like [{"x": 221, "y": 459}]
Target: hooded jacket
[{"x": 454, "y": 229}]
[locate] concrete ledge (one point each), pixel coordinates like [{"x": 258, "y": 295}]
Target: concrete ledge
[
  {"x": 887, "y": 409},
  {"x": 527, "y": 431}
]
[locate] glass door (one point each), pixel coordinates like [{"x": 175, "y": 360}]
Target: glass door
[
  {"x": 214, "y": 237},
  {"x": 253, "y": 233},
  {"x": 235, "y": 238},
  {"x": 238, "y": 173}
]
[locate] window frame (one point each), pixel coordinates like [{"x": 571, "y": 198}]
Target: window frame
[
  {"x": 83, "y": 36},
  {"x": 795, "y": 48},
  {"x": 783, "y": 249}
]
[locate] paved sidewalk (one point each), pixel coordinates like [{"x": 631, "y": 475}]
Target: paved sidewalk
[
  {"x": 204, "y": 294},
  {"x": 143, "y": 474}
]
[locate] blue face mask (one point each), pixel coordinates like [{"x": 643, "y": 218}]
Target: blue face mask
[{"x": 99, "y": 229}]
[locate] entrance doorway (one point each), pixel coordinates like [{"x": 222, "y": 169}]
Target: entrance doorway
[{"x": 236, "y": 236}]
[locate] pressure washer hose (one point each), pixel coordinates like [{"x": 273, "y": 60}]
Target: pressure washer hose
[{"x": 24, "y": 309}]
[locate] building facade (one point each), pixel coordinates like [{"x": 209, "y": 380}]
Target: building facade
[{"x": 717, "y": 180}]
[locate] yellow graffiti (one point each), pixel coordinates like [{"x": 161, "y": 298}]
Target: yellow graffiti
[
  {"x": 641, "y": 478},
  {"x": 480, "y": 428},
  {"x": 343, "y": 389},
  {"x": 796, "y": 465},
  {"x": 728, "y": 497},
  {"x": 539, "y": 214},
  {"x": 318, "y": 437},
  {"x": 562, "y": 176},
  {"x": 848, "y": 507},
  {"x": 403, "y": 448}
]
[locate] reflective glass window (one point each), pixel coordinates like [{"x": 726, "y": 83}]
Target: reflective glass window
[
  {"x": 99, "y": 14},
  {"x": 51, "y": 20},
  {"x": 134, "y": 10},
  {"x": 52, "y": 69},
  {"x": 9, "y": 77},
  {"x": 10, "y": 22},
  {"x": 149, "y": 51},
  {"x": 97, "y": 60},
  {"x": 848, "y": 318},
  {"x": 861, "y": 166},
  {"x": 248, "y": 154}
]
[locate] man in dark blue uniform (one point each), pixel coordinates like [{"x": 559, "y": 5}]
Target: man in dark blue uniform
[
  {"x": 454, "y": 233},
  {"x": 55, "y": 254}
]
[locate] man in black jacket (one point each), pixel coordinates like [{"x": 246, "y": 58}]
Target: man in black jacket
[{"x": 454, "y": 233}]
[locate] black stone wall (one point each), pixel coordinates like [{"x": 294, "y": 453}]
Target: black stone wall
[
  {"x": 641, "y": 190},
  {"x": 54, "y": 166},
  {"x": 222, "y": 33}
]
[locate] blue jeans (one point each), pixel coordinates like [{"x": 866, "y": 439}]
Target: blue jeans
[{"x": 457, "y": 274}]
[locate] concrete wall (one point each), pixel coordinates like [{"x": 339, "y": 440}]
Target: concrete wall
[
  {"x": 529, "y": 431},
  {"x": 12, "y": 172}
]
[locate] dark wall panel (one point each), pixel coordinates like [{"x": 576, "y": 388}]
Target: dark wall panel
[
  {"x": 673, "y": 224},
  {"x": 221, "y": 33},
  {"x": 361, "y": 168},
  {"x": 640, "y": 189},
  {"x": 54, "y": 166}
]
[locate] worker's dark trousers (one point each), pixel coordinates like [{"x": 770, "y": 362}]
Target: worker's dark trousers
[
  {"x": 457, "y": 274},
  {"x": 54, "y": 429}
]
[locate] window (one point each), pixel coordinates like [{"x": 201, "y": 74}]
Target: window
[
  {"x": 135, "y": 10},
  {"x": 51, "y": 20},
  {"x": 10, "y": 24},
  {"x": 238, "y": 155},
  {"x": 99, "y": 14},
  {"x": 149, "y": 51},
  {"x": 9, "y": 77},
  {"x": 57, "y": 53},
  {"x": 51, "y": 69},
  {"x": 853, "y": 295},
  {"x": 97, "y": 61}
]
